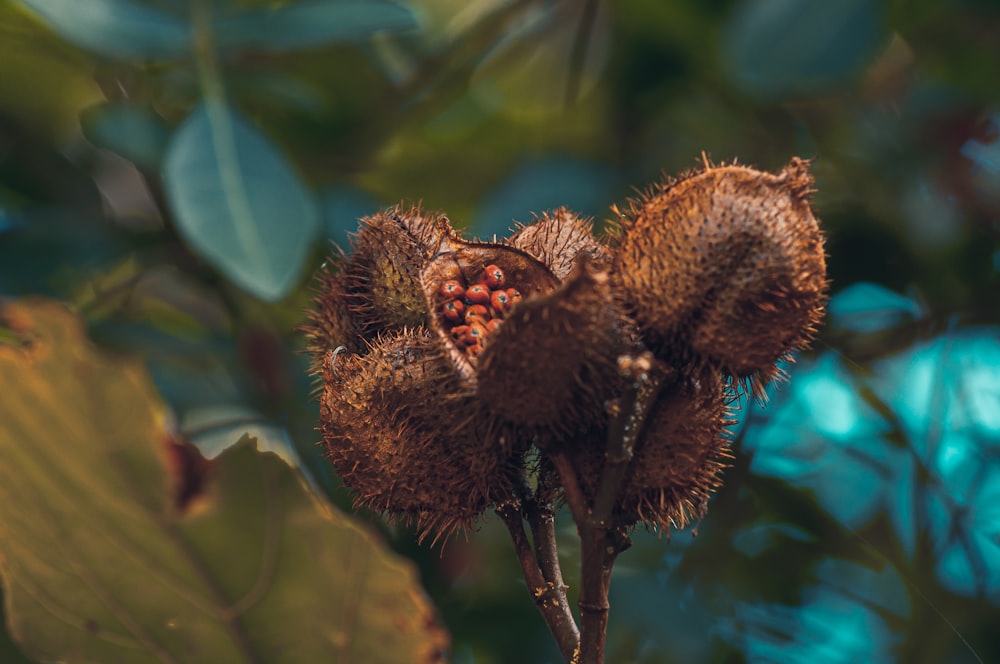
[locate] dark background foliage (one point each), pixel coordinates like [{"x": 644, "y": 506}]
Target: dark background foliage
[{"x": 860, "y": 519}]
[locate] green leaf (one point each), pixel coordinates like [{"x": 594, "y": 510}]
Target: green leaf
[
  {"x": 109, "y": 554},
  {"x": 116, "y": 28},
  {"x": 134, "y": 132},
  {"x": 237, "y": 201},
  {"x": 311, "y": 24},
  {"x": 787, "y": 48}
]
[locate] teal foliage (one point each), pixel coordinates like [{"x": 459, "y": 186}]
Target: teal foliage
[
  {"x": 238, "y": 202},
  {"x": 116, "y": 28}
]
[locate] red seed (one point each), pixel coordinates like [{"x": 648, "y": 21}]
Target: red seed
[
  {"x": 459, "y": 331},
  {"x": 452, "y": 289},
  {"x": 453, "y": 310},
  {"x": 514, "y": 295},
  {"x": 493, "y": 325},
  {"x": 478, "y": 294},
  {"x": 475, "y": 334},
  {"x": 476, "y": 312},
  {"x": 500, "y": 301},
  {"x": 493, "y": 276}
]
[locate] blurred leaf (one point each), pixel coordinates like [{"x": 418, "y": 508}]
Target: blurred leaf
[
  {"x": 237, "y": 201},
  {"x": 864, "y": 308},
  {"x": 44, "y": 83},
  {"x": 112, "y": 555},
  {"x": 343, "y": 206},
  {"x": 9, "y": 652},
  {"x": 821, "y": 435},
  {"x": 310, "y": 24},
  {"x": 758, "y": 537},
  {"x": 49, "y": 251},
  {"x": 540, "y": 185},
  {"x": 550, "y": 56},
  {"x": 134, "y": 132},
  {"x": 214, "y": 429},
  {"x": 946, "y": 395},
  {"x": 838, "y": 622},
  {"x": 116, "y": 28},
  {"x": 784, "y": 48}
]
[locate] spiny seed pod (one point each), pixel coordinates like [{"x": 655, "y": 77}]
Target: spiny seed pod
[
  {"x": 678, "y": 458},
  {"x": 726, "y": 264},
  {"x": 558, "y": 239},
  {"x": 566, "y": 342},
  {"x": 330, "y": 323},
  {"x": 408, "y": 439},
  {"x": 382, "y": 285}
]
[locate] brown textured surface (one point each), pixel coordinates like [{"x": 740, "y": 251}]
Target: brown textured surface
[
  {"x": 728, "y": 263},
  {"x": 558, "y": 238},
  {"x": 329, "y": 323},
  {"x": 406, "y": 436},
  {"x": 382, "y": 274},
  {"x": 679, "y": 456},
  {"x": 552, "y": 364}
]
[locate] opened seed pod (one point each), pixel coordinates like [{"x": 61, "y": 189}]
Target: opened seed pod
[{"x": 468, "y": 267}]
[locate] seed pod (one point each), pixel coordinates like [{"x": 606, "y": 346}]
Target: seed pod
[
  {"x": 409, "y": 440},
  {"x": 558, "y": 239},
  {"x": 679, "y": 456},
  {"x": 726, "y": 264},
  {"x": 552, "y": 363},
  {"x": 382, "y": 275},
  {"x": 330, "y": 323}
]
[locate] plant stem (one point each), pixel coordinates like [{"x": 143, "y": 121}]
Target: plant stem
[
  {"x": 549, "y": 593},
  {"x": 601, "y": 537}
]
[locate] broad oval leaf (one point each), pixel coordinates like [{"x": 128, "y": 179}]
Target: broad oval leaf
[
  {"x": 121, "y": 544},
  {"x": 237, "y": 201},
  {"x": 310, "y": 24},
  {"x": 116, "y": 28}
]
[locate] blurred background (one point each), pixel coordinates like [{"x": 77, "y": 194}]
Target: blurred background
[{"x": 177, "y": 169}]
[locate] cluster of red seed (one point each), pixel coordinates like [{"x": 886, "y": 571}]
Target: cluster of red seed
[{"x": 471, "y": 313}]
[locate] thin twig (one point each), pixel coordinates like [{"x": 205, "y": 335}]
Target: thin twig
[{"x": 549, "y": 597}]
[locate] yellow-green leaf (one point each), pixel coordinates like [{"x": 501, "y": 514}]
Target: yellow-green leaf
[{"x": 120, "y": 544}]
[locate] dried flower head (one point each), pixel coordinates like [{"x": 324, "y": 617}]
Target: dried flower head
[{"x": 443, "y": 360}]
